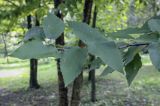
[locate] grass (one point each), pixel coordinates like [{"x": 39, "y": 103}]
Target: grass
[
  {"x": 112, "y": 90},
  {"x": 46, "y": 73}
]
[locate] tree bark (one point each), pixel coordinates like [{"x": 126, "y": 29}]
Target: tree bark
[
  {"x": 5, "y": 47},
  {"x": 132, "y": 19},
  {"x": 76, "y": 90},
  {"x": 63, "y": 91},
  {"x": 92, "y": 72},
  {"x": 33, "y": 63},
  {"x": 77, "y": 84}
]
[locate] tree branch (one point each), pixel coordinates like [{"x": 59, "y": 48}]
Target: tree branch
[
  {"x": 9, "y": 1},
  {"x": 136, "y": 44}
]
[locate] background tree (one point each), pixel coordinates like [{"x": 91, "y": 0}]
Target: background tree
[
  {"x": 92, "y": 71},
  {"x": 77, "y": 84},
  {"x": 63, "y": 91}
]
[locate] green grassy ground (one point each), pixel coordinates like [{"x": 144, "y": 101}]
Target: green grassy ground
[{"x": 112, "y": 90}]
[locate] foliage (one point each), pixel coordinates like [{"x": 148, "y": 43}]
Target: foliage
[
  {"x": 106, "y": 50},
  {"x": 35, "y": 33},
  {"x": 107, "y": 70},
  {"x": 35, "y": 49},
  {"x": 154, "y": 52},
  {"x": 53, "y": 26},
  {"x": 112, "y": 16},
  {"x": 144, "y": 90},
  {"x": 132, "y": 68},
  {"x": 72, "y": 63}
]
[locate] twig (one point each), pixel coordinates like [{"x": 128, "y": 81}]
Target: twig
[
  {"x": 137, "y": 44},
  {"x": 12, "y": 3}
]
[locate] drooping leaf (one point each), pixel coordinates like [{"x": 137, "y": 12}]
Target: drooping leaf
[
  {"x": 98, "y": 44},
  {"x": 107, "y": 71},
  {"x": 145, "y": 28},
  {"x": 36, "y": 33},
  {"x": 130, "y": 32},
  {"x": 154, "y": 52},
  {"x": 109, "y": 53},
  {"x": 35, "y": 49},
  {"x": 96, "y": 63},
  {"x": 130, "y": 54},
  {"x": 53, "y": 26},
  {"x": 154, "y": 37},
  {"x": 87, "y": 34},
  {"x": 154, "y": 25},
  {"x": 123, "y": 33},
  {"x": 72, "y": 63},
  {"x": 132, "y": 68}
]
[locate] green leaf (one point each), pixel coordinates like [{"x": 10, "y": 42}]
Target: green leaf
[
  {"x": 35, "y": 49},
  {"x": 132, "y": 68},
  {"x": 154, "y": 52},
  {"x": 154, "y": 25},
  {"x": 154, "y": 37},
  {"x": 109, "y": 53},
  {"x": 145, "y": 28},
  {"x": 86, "y": 33},
  {"x": 96, "y": 63},
  {"x": 53, "y": 26},
  {"x": 107, "y": 71},
  {"x": 72, "y": 63},
  {"x": 36, "y": 33},
  {"x": 123, "y": 33},
  {"x": 98, "y": 45},
  {"x": 130, "y": 32},
  {"x": 130, "y": 54}
]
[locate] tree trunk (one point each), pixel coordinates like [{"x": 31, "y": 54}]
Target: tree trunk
[
  {"x": 76, "y": 90},
  {"x": 92, "y": 72},
  {"x": 33, "y": 63},
  {"x": 63, "y": 91},
  {"x": 77, "y": 84},
  {"x": 5, "y": 47},
  {"x": 132, "y": 19}
]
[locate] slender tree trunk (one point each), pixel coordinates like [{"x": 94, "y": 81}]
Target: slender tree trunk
[
  {"x": 63, "y": 91},
  {"x": 92, "y": 72},
  {"x": 77, "y": 84},
  {"x": 155, "y": 8},
  {"x": 76, "y": 90},
  {"x": 5, "y": 47},
  {"x": 132, "y": 19},
  {"x": 33, "y": 63}
]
